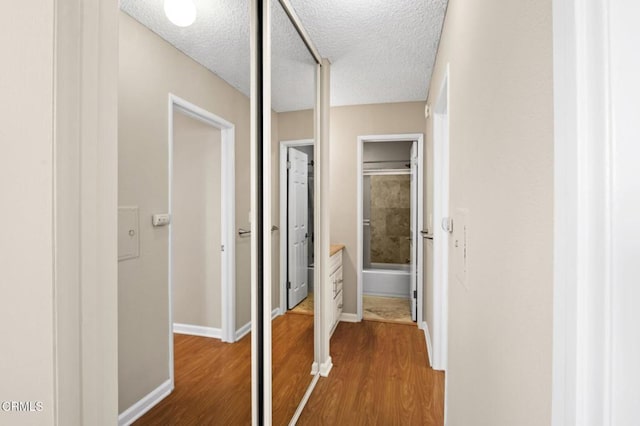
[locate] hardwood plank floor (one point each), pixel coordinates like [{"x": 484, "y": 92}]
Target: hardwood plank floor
[
  {"x": 381, "y": 376},
  {"x": 213, "y": 379}
]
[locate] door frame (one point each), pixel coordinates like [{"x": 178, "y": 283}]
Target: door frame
[
  {"x": 441, "y": 188},
  {"x": 284, "y": 232},
  {"x": 419, "y": 138},
  {"x": 228, "y": 274}
]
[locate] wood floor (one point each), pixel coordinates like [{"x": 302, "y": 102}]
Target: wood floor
[
  {"x": 213, "y": 379},
  {"x": 381, "y": 376}
]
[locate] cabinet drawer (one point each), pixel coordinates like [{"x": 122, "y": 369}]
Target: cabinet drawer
[{"x": 335, "y": 261}]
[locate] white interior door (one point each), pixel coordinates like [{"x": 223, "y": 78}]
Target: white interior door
[
  {"x": 297, "y": 224},
  {"x": 414, "y": 231}
]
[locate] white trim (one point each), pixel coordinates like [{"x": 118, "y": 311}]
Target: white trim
[
  {"x": 145, "y": 404},
  {"x": 197, "y": 330},
  {"x": 440, "y": 237},
  {"x": 326, "y": 367},
  {"x": 253, "y": 142},
  {"x": 323, "y": 296},
  {"x": 267, "y": 220},
  {"x": 227, "y": 207},
  {"x": 419, "y": 138},
  {"x": 275, "y": 313},
  {"x": 284, "y": 146},
  {"x": 84, "y": 155},
  {"x": 349, "y": 317},
  {"x": 305, "y": 399},
  {"x": 582, "y": 316},
  {"x": 243, "y": 331},
  {"x": 427, "y": 338},
  {"x": 385, "y": 172}
]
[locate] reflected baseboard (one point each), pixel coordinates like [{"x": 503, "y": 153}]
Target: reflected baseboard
[
  {"x": 197, "y": 330},
  {"x": 138, "y": 409},
  {"x": 305, "y": 399},
  {"x": 349, "y": 317},
  {"x": 245, "y": 329}
]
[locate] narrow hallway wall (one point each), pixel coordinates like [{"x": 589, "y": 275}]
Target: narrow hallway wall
[{"x": 501, "y": 139}]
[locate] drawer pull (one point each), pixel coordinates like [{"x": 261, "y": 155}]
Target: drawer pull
[{"x": 340, "y": 306}]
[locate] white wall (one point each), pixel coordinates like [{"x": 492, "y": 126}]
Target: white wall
[
  {"x": 26, "y": 176},
  {"x": 501, "y": 135},
  {"x": 196, "y": 216}
]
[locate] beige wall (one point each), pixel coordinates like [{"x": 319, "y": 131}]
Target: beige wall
[
  {"x": 26, "y": 245},
  {"x": 150, "y": 69},
  {"x": 347, "y": 123},
  {"x": 501, "y": 124},
  {"x": 196, "y": 216}
]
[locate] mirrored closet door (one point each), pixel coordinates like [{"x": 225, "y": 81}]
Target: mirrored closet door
[
  {"x": 184, "y": 281},
  {"x": 293, "y": 99}
]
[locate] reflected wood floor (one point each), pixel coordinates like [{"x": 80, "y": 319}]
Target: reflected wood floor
[
  {"x": 213, "y": 379},
  {"x": 381, "y": 376}
]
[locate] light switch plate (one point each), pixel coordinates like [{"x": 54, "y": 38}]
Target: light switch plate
[
  {"x": 128, "y": 233},
  {"x": 460, "y": 239}
]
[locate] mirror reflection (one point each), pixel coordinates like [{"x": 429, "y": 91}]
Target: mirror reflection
[
  {"x": 293, "y": 80},
  {"x": 184, "y": 194}
]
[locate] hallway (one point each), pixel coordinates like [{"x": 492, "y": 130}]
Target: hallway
[{"x": 380, "y": 376}]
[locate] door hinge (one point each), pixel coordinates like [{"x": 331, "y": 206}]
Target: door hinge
[
  {"x": 415, "y": 294},
  {"x": 288, "y": 164},
  {"x": 289, "y": 285},
  {"x": 222, "y": 247}
]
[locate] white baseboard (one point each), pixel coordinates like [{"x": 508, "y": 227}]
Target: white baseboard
[
  {"x": 427, "y": 338},
  {"x": 349, "y": 317},
  {"x": 197, "y": 330},
  {"x": 138, "y": 409},
  {"x": 315, "y": 369},
  {"x": 245, "y": 329},
  {"x": 326, "y": 367},
  {"x": 304, "y": 401}
]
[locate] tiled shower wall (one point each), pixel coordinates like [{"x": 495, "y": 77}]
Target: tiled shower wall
[{"x": 390, "y": 218}]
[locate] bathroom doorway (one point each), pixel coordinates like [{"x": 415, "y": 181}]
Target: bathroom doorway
[{"x": 390, "y": 206}]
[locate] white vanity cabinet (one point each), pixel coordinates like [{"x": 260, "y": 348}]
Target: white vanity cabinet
[{"x": 335, "y": 285}]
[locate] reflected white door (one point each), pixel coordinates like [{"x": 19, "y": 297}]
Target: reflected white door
[
  {"x": 297, "y": 224},
  {"x": 414, "y": 231}
]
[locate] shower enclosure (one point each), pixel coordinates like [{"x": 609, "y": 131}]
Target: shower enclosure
[{"x": 387, "y": 220}]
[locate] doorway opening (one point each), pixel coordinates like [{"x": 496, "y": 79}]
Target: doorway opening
[
  {"x": 297, "y": 227},
  {"x": 201, "y": 224},
  {"x": 389, "y": 219}
]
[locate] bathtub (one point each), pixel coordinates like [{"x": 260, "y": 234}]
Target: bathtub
[{"x": 389, "y": 280}]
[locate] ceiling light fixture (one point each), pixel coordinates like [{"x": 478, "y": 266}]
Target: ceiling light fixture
[{"x": 180, "y": 12}]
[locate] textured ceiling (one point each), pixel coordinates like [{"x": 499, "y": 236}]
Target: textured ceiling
[{"x": 381, "y": 51}]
